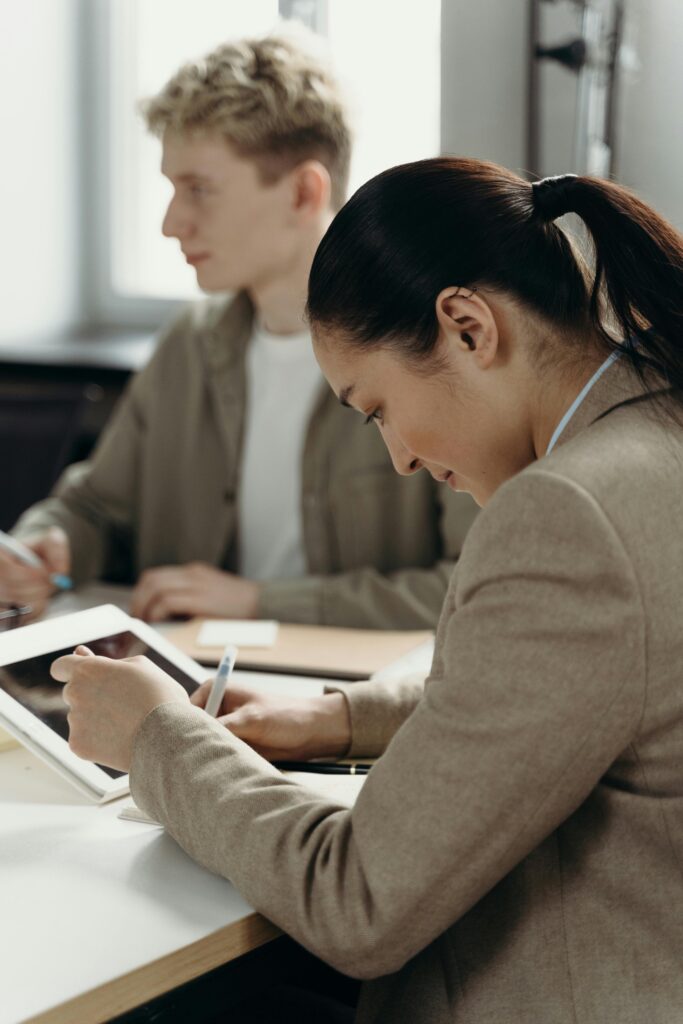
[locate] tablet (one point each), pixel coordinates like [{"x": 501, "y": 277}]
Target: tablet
[{"x": 31, "y": 704}]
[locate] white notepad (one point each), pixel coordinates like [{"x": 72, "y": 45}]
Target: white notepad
[{"x": 240, "y": 632}]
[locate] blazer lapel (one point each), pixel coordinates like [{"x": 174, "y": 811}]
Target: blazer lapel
[{"x": 225, "y": 343}]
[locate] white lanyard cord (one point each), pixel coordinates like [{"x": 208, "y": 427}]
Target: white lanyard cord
[{"x": 579, "y": 399}]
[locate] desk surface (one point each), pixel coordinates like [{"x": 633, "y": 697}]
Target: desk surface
[{"x": 98, "y": 914}]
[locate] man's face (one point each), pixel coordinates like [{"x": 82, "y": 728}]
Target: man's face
[{"x": 231, "y": 227}]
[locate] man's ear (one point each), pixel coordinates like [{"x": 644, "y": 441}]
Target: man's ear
[
  {"x": 467, "y": 321},
  {"x": 311, "y": 188}
]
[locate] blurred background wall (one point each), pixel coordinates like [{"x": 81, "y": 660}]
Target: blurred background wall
[{"x": 50, "y": 121}]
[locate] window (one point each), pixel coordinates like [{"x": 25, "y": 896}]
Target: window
[{"x": 386, "y": 54}]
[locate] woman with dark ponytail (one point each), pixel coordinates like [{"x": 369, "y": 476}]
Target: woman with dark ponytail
[{"x": 516, "y": 853}]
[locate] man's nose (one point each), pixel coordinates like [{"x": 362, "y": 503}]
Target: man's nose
[{"x": 175, "y": 224}]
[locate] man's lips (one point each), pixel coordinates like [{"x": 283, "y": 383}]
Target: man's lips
[{"x": 197, "y": 258}]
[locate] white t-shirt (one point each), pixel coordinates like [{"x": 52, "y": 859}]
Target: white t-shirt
[{"x": 283, "y": 382}]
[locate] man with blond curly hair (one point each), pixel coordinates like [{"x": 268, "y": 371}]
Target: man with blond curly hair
[{"x": 229, "y": 481}]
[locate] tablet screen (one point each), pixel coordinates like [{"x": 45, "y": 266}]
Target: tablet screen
[{"x": 29, "y": 681}]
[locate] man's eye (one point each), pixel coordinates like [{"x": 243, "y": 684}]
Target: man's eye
[{"x": 376, "y": 414}]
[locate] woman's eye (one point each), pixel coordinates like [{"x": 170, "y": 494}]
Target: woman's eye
[{"x": 376, "y": 414}]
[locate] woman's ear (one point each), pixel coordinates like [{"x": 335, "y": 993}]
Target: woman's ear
[{"x": 467, "y": 321}]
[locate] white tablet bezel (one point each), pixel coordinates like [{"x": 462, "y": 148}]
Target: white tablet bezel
[{"x": 54, "y": 635}]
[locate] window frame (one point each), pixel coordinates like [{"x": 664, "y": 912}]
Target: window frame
[{"x": 104, "y": 304}]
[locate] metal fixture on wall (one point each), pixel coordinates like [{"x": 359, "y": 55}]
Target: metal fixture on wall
[
  {"x": 312, "y": 13},
  {"x": 594, "y": 56}
]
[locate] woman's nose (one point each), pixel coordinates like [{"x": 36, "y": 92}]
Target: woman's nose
[{"x": 404, "y": 461}]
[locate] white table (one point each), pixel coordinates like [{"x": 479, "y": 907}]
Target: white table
[{"x": 98, "y": 914}]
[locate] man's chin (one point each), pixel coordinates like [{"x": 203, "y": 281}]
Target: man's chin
[{"x": 213, "y": 287}]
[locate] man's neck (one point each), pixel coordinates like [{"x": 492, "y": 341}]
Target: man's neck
[
  {"x": 280, "y": 305},
  {"x": 280, "y": 301}
]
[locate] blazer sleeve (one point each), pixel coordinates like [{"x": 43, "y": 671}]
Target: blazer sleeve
[
  {"x": 407, "y": 598},
  {"x": 536, "y": 687},
  {"x": 377, "y": 710}
]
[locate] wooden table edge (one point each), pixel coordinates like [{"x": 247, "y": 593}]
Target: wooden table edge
[{"x": 142, "y": 984}]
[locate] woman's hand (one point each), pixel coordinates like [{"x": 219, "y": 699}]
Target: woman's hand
[
  {"x": 108, "y": 701},
  {"x": 284, "y": 728}
]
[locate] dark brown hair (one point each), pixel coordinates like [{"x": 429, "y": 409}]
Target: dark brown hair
[{"x": 418, "y": 228}]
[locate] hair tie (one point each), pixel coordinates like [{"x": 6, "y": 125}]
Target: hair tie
[{"x": 552, "y": 196}]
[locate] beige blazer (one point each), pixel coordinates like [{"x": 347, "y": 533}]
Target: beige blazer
[
  {"x": 162, "y": 488},
  {"x": 516, "y": 854}
]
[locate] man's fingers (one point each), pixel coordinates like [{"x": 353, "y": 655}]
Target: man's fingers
[
  {"x": 15, "y": 574},
  {"x": 152, "y": 585},
  {"x": 172, "y": 590},
  {"x": 23, "y": 584},
  {"x": 54, "y": 549},
  {"x": 145, "y": 589},
  {"x": 170, "y": 603},
  {"x": 24, "y": 594}
]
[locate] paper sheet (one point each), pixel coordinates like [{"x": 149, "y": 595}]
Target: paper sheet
[
  {"x": 131, "y": 812},
  {"x": 242, "y": 633}
]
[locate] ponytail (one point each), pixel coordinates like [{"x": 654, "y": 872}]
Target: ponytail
[
  {"x": 418, "y": 228},
  {"x": 638, "y": 270}
]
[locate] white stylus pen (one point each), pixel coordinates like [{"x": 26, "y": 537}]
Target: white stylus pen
[
  {"x": 28, "y": 557},
  {"x": 220, "y": 680}
]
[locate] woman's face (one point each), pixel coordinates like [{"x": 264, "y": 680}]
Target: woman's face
[{"x": 459, "y": 420}]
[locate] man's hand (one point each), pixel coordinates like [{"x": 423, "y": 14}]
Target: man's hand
[
  {"x": 284, "y": 728},
  {"x": 22, "y": 584},
  {"x": 193, "y": 589},
  {"x": 108, "y": 701}
]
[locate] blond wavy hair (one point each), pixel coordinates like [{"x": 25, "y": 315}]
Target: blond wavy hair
[{"x": 273, "y": 99}]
